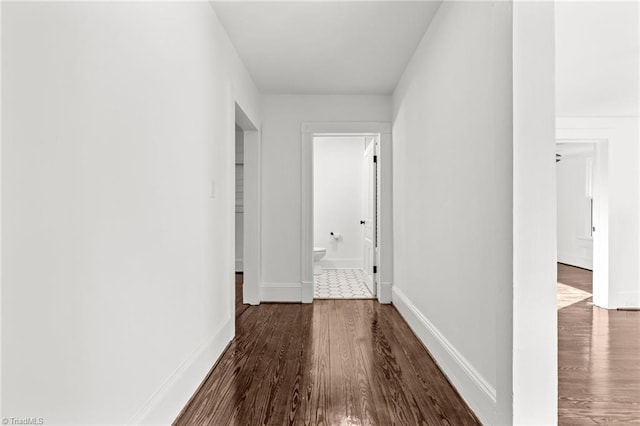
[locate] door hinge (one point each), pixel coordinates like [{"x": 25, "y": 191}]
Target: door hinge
[
  {"x": 375, "y": 269},
  {"x": 375, "y": 158}
]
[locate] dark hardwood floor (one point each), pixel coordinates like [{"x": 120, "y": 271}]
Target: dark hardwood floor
[
  {"x": 333, "y": 362},
  {"x": 598, "y": 359},
  {"x": 240, "y": 308}
]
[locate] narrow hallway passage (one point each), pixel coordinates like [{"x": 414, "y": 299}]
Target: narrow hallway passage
[
  {"x": 333, "y": 362},
  {"x": 598, "y": 359}
]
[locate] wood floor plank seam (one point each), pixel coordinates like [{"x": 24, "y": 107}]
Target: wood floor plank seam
[
  {"x": 367, "y": 409},
  {"x": 327, "y": 363},
  {"x": 598, "y": 359},
  {"x": 358, "y": 362}
]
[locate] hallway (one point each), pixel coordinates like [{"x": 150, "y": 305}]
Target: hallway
[
  {"x": 598, "y": 359},
  {"x": 127, "y": 128},
  {"x": 331, "y": 362}
]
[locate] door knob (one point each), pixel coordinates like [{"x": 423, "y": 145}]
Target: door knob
[{"x": 362, "y": 222}]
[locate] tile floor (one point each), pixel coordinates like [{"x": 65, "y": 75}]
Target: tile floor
[{"x": 341, "y": 284}]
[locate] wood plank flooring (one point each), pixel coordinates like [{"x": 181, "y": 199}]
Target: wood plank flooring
[
  {"x": 598, "y": 359},
  {"x": 333, "y": 362},
  {"x": 240, "y": 308}
]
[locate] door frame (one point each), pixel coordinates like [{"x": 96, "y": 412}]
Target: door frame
[
  {"x": 384, "y": 254},
  {"x": 623, "y": 247},
  {"x": 371, "y": 178},
  {"x": 600, "y": 264},
  {"x": 252, "y": 223}
]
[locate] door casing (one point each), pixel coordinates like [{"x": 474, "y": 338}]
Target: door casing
[
  {"x": 369, "y": 213},
  {"x": 384, "y": 255}
]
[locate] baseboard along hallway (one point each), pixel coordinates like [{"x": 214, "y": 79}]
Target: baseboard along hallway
[{"x": 331, "y": 362}]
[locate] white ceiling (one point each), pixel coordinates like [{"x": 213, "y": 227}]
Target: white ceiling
[{"x": 343, "y": 47}]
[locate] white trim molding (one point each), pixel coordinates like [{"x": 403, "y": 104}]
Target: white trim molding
[
  {"x": 307, "y": 290},
  {"x": 341, "y": 263},
  {"x": 252, "y": 206},
  {"x": 583, "y": 262},
  {"x": 385, "y": 292},
  {"x": 616, "y": 240},
  {"x": 282, "y": 292},
  {"x": 168, "y": 401},
  {"x": 385, "y": 258},
  {"x": 474, "y": 388}
]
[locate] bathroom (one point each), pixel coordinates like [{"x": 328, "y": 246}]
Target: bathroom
[{"x": 344, "y": 206}]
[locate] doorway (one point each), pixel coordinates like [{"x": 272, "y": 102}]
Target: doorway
[
  {"x": 376, "y": 221},
  {"x": 247, "y": 211},
  {"x": 574, "y": 171},
  {"x": 344, "y": 216},
  {"x": 582, "y": 212}
]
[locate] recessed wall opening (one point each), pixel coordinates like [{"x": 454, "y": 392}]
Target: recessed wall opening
[
  {"x": 344, "y": 216},
  {"x": 582, "y": 217},
  {"x": 239, "y": 219},
  {"x": 246, "y": 252},
  {"x": 239, "y": 203},
  {"x": 374, "y": 144}
]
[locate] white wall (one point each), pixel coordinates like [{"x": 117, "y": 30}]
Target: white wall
[
  {"x": 535, "y": 327},
  {"x": 452, "y": 188},
  {"x": 575, "y": 244},
  {"x": 117, "y": 286},
  {"x": 597, "y": 48},
  {"x": 338, "y": 196},
  {"x": 1, "y": 221},
  {"x": 281, "y": 173}
]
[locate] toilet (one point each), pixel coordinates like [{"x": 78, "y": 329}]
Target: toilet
[{"x": 318, "y": 253}]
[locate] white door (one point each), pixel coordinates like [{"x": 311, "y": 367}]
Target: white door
[{"x": 369, "y": 213}]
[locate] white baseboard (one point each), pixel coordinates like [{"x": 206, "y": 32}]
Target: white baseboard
[
  {"x": 239, "y": 265},
  {"x": 165, "y": 404},
  {"x": 385, "y": 293},
  {"x": 329, "y": 263},
  {"x": 625, "y": 299},
  {"x": 473, "y": 388},
  {"x": 280, "y": 292},
  {"x": 306, "y": 292},
  {"x": 579, "y": 261}
]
